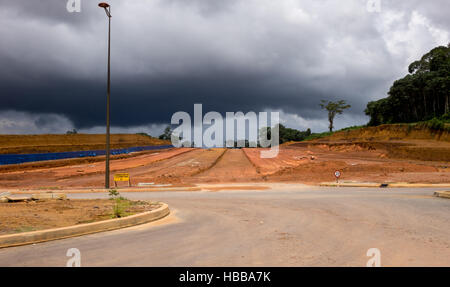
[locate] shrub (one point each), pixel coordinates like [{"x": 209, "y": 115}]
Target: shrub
[
  {"x": 120, "y": 204},
  {"x": 435, "y": 124},
  {"x": 113, "y": 193}
]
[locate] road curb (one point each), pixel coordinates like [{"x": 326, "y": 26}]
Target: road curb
[
  {"x": 420, "y": 185},
  {"x": 82, "y": 229},
  {"x": 99, "y": 190},
  {"x": 442, "y": 194},
  {"x": 334, "y": 184},
  {"x": 401, "y": 185}
]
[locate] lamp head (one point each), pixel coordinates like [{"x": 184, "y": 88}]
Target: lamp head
[
  {"x": 107, "y": 8},
  {"x": 103, "y": 5}
]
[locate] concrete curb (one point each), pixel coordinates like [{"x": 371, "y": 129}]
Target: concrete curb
[
  {"x": 401, "y": 185},
  {"x": 443, "y": 194},
  {"x": 99, "y": 190},
  {"x": 82, "y": 229},
  {"x": 434, "y": 185},
  {"x": 344, "y": 184}
]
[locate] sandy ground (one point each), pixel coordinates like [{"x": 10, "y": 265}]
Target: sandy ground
[
  {"x": 310, "y": 163},
  {"x": 289, "y": 225},
  {"x": 37, "y": 215}
]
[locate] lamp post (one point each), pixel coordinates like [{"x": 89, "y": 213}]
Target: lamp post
[{"x": 107, "y": 8}]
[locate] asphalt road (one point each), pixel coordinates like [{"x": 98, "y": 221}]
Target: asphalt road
[{"x": 291, "y": 225}]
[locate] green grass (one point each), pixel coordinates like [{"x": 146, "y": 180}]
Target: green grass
[
  {"x": 326, "y": 134},
  {"x": 314, "y": 136},
  {"x": 24, "y": 229},
  {"x": 436, "y": 124},
  {"x": 50, "y": 188},
  {"x": 352, "y": 128},
  {"x": 121, "y": 204}
]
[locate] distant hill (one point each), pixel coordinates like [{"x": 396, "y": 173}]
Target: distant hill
[{"x": 22, "y": 144}]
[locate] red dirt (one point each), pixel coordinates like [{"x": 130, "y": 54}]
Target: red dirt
[
  {"x": 20, "y": 144},
  {"x": 233, "y": 166},
  {"x": 83, "y": 175},
  {"x": 179, "y": 168},
  {"x": 287, "y": 158},
  {"x": 310, "y": 162},
  {"x": 37, "y": 215},
  {"x": 317, "y": 163}
]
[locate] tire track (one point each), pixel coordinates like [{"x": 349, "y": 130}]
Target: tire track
[{"x": 232, "y": 166}]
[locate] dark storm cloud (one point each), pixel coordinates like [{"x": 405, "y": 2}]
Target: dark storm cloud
[{"x": 229, "y": 55}]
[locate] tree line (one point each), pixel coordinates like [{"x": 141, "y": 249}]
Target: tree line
[{"x": 422, "y": 95}]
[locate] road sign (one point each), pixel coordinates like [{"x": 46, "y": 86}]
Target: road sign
[
  {"x": 337, "y": 174},
  {"x": 122, "y": 177}
]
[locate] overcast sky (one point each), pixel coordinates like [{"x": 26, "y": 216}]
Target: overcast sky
[{"x": 235, "y": 55}]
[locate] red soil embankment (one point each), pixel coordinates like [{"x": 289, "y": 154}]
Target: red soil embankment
[
  {"x": 399, "y": 141},
  {"x": 391, "y": 132},
  {"x": 22, "y": 144}
]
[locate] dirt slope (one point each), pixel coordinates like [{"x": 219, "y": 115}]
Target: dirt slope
[
  {"x": 390, "y": 132},
  {"x": 22, "y": 144},
  {"x": 398, "y": 141}
]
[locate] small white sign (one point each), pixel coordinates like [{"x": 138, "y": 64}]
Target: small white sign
[{"x": 337, "y": 174}]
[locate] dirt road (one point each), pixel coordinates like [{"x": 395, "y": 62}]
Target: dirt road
[
  {"x": 232, "y": 166},
  {"x": 291, "y": 225}
]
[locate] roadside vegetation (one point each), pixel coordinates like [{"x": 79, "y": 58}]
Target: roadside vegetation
[
  {"x": 26, "y": 216},
  {"x": 123, "y": 207},
  {"x": 121, "y": 204},
  {"x": 326, "y": 134},
  {"x": 441, "y": 123}
]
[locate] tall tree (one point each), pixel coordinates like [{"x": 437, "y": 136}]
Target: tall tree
[{"x": 334, "y": 108}]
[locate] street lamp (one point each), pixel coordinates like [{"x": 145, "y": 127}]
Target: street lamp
[{"x": 108, "y": 13}]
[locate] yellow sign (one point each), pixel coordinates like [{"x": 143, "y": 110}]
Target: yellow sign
[{"x": 122, "y": 177}]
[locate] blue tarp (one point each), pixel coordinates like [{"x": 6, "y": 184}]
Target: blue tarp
[{"x": 21, "y": 158}]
